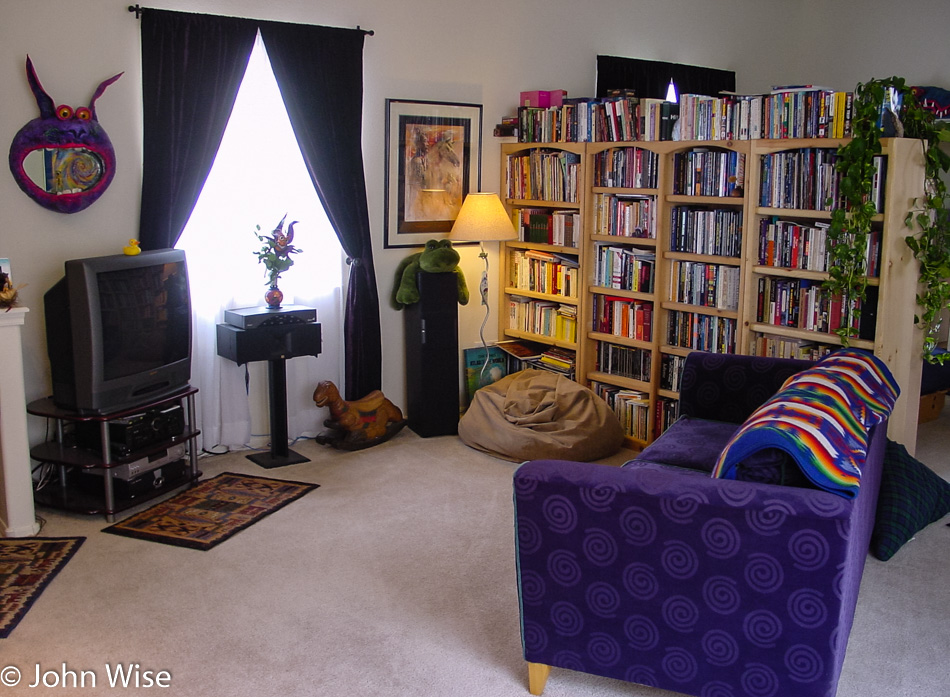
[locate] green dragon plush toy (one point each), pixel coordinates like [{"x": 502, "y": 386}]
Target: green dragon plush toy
[{"x": 437, "y": 257}]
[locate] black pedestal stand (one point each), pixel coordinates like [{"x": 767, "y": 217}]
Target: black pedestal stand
[
  {"x": 280, "y": 454},
  {"x": 273, "y": 335}
]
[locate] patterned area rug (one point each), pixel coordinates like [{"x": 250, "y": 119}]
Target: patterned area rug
[
  {"x": 26, "y": 568},
  {"x": 211, "y": 511}
]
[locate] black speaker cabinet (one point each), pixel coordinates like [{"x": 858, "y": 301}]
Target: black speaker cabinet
[
  {"x": 268, "y": 342},
  {"x": 432, "y": 356}
]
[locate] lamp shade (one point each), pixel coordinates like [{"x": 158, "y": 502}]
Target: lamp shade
[{"x": 482, "y": 218}]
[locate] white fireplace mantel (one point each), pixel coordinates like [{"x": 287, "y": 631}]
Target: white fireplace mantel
[{"x": 17, "y": 515}]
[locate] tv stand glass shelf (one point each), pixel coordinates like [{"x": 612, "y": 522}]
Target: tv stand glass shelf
[{"x": 144, "y": 467}]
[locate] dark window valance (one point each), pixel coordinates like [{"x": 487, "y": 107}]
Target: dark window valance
[{"x": 650, "y": 79}]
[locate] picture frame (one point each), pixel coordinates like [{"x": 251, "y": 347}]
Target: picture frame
[{"x": 433, "y": 160}]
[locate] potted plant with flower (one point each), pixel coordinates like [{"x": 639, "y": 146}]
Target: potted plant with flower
[{"x": 275, "y": 256}]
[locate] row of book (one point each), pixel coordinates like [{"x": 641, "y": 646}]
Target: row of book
[
  {"x": 543, "y": 272},
  {"x": 632, "y": 408},
  {"x": 623, "y": 317},
  {"x": 671, "y": 371},
  {"x": 716, "y": 231},
  {"x": 615, "y": 119},
  {"x": 631, "y": 168},
  {"x": 624, "y": 215},
  {"x": 624, "y": 268},
  {"x": 807, "y": 179},
  {"x": 542, "y": 225},
  {"x": 805, "y": 304},
  {"x": 544, "y": 175},
  {"x": 771, "y": 346},
  {"x": 793, "y": 245},
  {"x": 801, "y": 179},
  {"x": 542, "y": 317},
  {"x": 666, "y": 412},
  {"x": 799, "y": 112},
  {"x": 707, "y": 285},
  {"x": 625, "y": 361},
  {"x": 709, "y": 172},
  {"x": 784, "y": 113},
  {"x": 700, "y": 332}
]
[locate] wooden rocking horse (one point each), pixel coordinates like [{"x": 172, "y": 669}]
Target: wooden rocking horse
[{"x": 355, "y": 425}]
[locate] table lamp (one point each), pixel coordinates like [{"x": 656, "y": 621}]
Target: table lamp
[{"x": 483, "y": 218}]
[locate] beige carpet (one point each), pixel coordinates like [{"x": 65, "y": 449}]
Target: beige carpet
[{"x": 395, "y": 578}]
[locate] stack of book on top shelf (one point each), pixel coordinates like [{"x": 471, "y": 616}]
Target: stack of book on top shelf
[{"x": 787, "y": 111}]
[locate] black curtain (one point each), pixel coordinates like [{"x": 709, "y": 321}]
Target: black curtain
[
  {"x": 192, "y": 67},
  {"x": 320, "y": 74},
  {"x": 650, "y": 79}
]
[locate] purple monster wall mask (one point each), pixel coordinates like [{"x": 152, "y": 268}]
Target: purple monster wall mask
[{"x": 64, "y": 159}]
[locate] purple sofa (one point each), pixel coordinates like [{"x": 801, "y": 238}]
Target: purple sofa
[{"x": 658, "y": 574}]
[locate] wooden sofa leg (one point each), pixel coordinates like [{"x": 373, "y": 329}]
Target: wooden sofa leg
[{"x": 537, "y": 677}]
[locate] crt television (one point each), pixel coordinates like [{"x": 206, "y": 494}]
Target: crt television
[{"x": 118, "y": 331}]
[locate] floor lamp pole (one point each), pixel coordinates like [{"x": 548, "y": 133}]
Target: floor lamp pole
[{"x": 483, "y": 291}]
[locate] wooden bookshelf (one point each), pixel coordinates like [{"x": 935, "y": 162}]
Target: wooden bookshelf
[{"x": 650, "y": 215}]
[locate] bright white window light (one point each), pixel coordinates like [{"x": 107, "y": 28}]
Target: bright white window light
[
  {"x": 671, "y": 92},
  {"x": 258, "y": 175}
]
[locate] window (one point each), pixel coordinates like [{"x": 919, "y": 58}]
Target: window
[{"x": 258, "y": 176}]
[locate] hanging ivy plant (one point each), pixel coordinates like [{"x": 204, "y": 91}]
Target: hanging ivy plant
[{"x": 891, "y": 105}]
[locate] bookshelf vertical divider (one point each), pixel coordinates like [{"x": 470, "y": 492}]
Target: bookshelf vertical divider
[{"x": 895, "y": 339}]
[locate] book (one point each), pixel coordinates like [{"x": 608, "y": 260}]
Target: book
[
  {"x": 477, "y": 375},
  {"x": 521, "y": 349}
]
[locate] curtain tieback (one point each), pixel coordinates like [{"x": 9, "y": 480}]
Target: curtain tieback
[{"x": 353, "y": 261}]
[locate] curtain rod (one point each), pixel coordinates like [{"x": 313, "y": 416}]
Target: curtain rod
[{"x": 137, "y": 9}]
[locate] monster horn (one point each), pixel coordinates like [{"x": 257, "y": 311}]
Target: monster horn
[
  {"x": 43, "y": 100},
  {"x": 98, "y": 93}
]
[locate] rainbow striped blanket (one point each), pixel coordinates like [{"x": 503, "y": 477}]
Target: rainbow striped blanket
[{"x": 821, "y": 418}]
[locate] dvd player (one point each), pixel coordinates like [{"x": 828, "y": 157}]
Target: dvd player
[
  {"x": 262, "y": 316},
  {"x": 131, "y": 470}
]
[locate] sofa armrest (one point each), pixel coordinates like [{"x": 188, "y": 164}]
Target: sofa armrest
[
  {"x": 670, "y": 578},
  {"x": 729, "y": 387}
]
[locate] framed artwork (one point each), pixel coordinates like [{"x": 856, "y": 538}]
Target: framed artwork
[{"x": 433, "y": 159}]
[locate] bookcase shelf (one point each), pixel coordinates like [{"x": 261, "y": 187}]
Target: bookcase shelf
[{"x": 602, "y": 357}]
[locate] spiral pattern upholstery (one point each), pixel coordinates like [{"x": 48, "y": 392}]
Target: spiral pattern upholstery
[{"x": 670, "y": 578}]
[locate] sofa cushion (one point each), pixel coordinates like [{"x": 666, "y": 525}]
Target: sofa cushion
[
  {"x": 691, "y": 443},
  {"x": 912, "y": 497},
  {"x": 821, "y": 419}
]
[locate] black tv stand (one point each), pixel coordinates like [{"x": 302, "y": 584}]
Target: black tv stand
[{"x": 71, "y": 459}]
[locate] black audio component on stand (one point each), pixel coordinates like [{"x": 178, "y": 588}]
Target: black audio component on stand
[
  {"x": 136, "y": 431},
  {"x": 280, "y": 337}
]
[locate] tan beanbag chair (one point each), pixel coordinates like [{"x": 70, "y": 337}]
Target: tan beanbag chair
[{"x": 535, "y": 415}]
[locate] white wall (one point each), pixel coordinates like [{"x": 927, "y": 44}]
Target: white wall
[{"x": 446, "y": 50}]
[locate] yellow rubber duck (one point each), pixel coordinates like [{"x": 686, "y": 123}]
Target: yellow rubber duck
[{"x": 132, "y": 249}]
